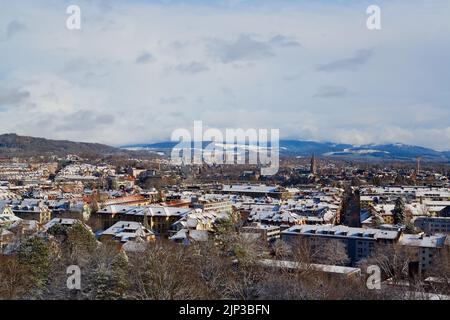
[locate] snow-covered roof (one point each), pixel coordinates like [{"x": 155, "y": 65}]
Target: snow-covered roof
[
  {"x": 127, "y": 230},
  {"x": 421, "y": 240},
  {"x": 151, "y": 210},
  {"x": 315, "y": 267},
  {"x": 246, "y": 188},
  {"x": 60, "y": 221},
  {"x": 342, "y": 231}
]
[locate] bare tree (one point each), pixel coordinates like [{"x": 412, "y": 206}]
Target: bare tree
[
  {"x": 162, "y": 272},
  {"x": 439, "y": 272},
  {"x": 14, "y": 282},
  {"x": 393, "y": 261}
]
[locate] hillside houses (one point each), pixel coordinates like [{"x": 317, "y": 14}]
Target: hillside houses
[
  {"x": 130, "y": 236},
  {"x": 159, "y": 218},
  {"x": 196, "y": 225}
]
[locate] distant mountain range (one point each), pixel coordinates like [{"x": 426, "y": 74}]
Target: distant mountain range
[
  {"x": 298, "y": 148},
  {"x": 14, "y": 145}
]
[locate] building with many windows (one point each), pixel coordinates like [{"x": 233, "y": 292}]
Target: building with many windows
[
  {"x": 359, "y": 243},
  {"x": 124, "y": 232},
  {"x": 159, "y": 218},
  {"x": 432, "y": 225},
  {"x": 422, "y": 248}
]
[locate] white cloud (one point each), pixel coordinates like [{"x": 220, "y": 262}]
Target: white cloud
[{"x": 150, "y": 68}]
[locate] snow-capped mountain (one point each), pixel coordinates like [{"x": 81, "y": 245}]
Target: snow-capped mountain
[{"x": 394, "y": 151}]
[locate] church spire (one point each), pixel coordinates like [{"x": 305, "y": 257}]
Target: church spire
[{"x": 313, "y": 168}]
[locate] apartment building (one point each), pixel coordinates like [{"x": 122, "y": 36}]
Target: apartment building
[
  {"x": 422, "y": 248},
  {"x": 159, "y": 218},
  {"x": 432, "y": 225},
  {"x": 211, "y": 204},
  {"x": 267, "y": 232},
  {"x": 359, "y": 243},
  {"x": 123, "y": 232},
  {"x": 256, "y": 191}
]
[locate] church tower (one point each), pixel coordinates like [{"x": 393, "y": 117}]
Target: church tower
[
  {"x": 313, "y": 168},
  {"x": 418, "y": 165}
]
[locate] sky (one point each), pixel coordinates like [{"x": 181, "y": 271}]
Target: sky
[{"x": 137, "y": 69}]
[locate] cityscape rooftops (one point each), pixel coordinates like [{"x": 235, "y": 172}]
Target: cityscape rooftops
[
  {"x": 316, "y": 267},
  {"x": 127, "y": 230},
  {"x": 247, "y": 188},
  {"x": 422, "y": 240},
  {"x": 342, "y": 231},
  {"x": 60, "y": 221},
  {"x": 150, "y": 210}
]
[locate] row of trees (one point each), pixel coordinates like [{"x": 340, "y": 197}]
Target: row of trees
[{"x": 227, "y": 267}]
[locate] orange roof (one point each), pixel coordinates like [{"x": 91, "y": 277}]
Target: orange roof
[{"x": 132, "y": 198}]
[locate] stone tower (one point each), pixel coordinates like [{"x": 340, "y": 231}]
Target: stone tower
[
  {"x": 313, "y": 168},
  {"x": 418, "y": 165}
]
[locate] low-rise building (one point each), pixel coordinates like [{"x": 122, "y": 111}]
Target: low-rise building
[
  {"x": 196, "y": 225},
  {"x": 131, "y": 200},
  {"x": 422, "y": 248},
  {"x": 283, "y": 219},
  {"x": 211, "y": 204},
  {"x": 359, "y": 243},
  {"x": 6, "y": 237},
  {"x": 64, "y": 222},
  {"x": 32, "y": 209},
  {"x": 123, "y": 232},
  {"x": 256, "y": 191},
  {"x": 331, "y": 271},
  {"x": 268, "y": 233},
  {"x": 159, "y": 218},
  {"x": 433, "y": 225}
]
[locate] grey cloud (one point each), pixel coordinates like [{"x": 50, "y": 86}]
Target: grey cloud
[
  {"x": 10, "y": 97},
  {"x": 248, "y": 48},
  {"x": 88, "y": 67},
  {"x": 359, "y": 59},
  {"x": 179, "y": 45},
  {"x": 84, "y": 120},
  {"x": 172, "y": 100},
  {"x": 104, "y": 119},
  {"x": 292, "y": 77},
  {"x": 13, "y": 28},
  {"x": 232, "y": 3},
  {"x": 93, "y": 75},
  {"x": 331, "y": 92},
  {"x": 192, "y": 68},
  {"x": 283, "y": 41},
  {"x": 145, "y": 57},
  {"x": 244, "y": 48},
  {"x": 75, "y": 65}
]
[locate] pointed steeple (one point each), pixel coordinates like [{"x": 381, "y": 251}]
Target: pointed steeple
[{"x": 313, "y": 168}]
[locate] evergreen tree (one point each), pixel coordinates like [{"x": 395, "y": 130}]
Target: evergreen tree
[
  {"x": 376, "y": 221},
  {"x": 80, "y": 243},
  {"x": 34, "y": 256},
  {"x": 111, "y": 282},
  {"x": 399, "y": 211},
  {"x": 77, "y": 241},
  {"x": 225, "y": 232}
]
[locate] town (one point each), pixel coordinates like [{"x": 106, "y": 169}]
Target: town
[
  {"x": 140, "y": 227},
  {"x": 224, "y": 158}
]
